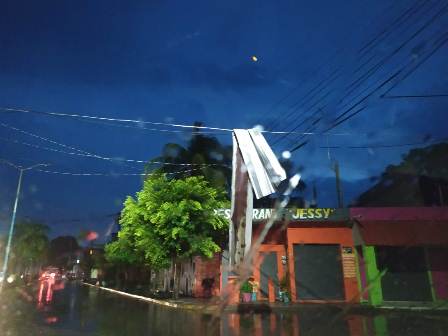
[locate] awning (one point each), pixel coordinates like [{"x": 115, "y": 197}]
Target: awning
[{"x": 401, "y": 233}]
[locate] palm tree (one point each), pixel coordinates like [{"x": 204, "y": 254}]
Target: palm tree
[{"x": 209, "y": 157}]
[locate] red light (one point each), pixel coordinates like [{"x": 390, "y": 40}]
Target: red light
[
  {"x": 51, "y": 319},
  {"x": 92, "y": 235}
]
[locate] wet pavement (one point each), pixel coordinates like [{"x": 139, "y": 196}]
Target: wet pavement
[{"x": 82, "y": 310}]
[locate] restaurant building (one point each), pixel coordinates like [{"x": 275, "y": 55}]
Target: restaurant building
[{"x": 368, "y": 255}]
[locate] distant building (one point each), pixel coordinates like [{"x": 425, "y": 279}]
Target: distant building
[{"x": 406, "y": 190}]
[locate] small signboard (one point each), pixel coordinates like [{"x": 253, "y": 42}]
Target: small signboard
[
  {"x": 348, "y": 262},
  {"x": 94, "y": 273}
]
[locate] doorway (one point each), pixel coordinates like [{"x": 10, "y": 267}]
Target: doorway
[{"x": 318, "y": 272}]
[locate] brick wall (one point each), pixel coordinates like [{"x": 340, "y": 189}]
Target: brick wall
[{"x": 206, "y": 269}]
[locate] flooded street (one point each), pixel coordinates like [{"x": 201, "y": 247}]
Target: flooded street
[
  {"x": 81, "y": 310},
  {"x": 224, "y": 168}
]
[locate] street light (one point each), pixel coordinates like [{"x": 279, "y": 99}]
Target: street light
[{"x": 13, "y": 218}]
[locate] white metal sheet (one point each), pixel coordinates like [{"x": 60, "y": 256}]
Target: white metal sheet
[{"x": 265, "y": 172}]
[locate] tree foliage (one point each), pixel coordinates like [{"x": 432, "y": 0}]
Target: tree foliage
[
  {"x": 123, "y": 251},
  {"x": 420, "y": 179},
  {"x": 170, "y": 219},
  {"x": 212, "y": 157},
  {"x": 30, "y": 243}
]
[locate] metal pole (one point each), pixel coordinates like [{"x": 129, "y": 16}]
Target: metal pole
[
  {"x": 13, "y": 219},
  {"x": 338, "y": 185},
  {"x": 11, "y": 230}
]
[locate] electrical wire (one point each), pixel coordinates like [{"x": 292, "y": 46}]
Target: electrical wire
[
  {"x": 275, "y": 123},
  {"x": 134, "y": 121},
  {"x": 99, "y": 173},
  {"x": 377, "y": 66},
  {"x": 143, "y": 128},
  {"x": 440, "y": 140},
  {"x": 111, "y": 174},
  {"x": 337, "y": 121},
  {"x": 17, "y": 110},
  {"x": 439, "y": 43},
  {"x": 416, "y": 96},
  {"x": 301, "y": 103},
  {"x": 363, "y": 78},
  {"x": 96, "y": 156},
  {"x": 290, "y": 93},
  {"x": 422, "y": 61},
  {"x": 41, "y": 138},
  {"x": 365, "y": 63},
  {"x": 83, "y": 153},
  {"x": 386, "y": 31}
]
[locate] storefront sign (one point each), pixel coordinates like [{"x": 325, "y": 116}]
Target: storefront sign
[{"x": 309, "y": 214}]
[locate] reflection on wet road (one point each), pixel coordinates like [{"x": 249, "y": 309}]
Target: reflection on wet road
[{"x": 81, "y": 310}]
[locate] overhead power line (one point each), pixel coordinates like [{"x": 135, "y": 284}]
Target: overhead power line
[
  {"x": 83, "y": 153},
  {"x": 413, "y": 9},
  {"x": 363, "y": 78},
  {"x": 150, "y": 129},
  {"x": 90, "y": 174},
  {"x": 42, "y": 138},
  {"x": 416, "y": 96},
  {"x": 111, "y": 174},
  {"x": 96, "y": 156},
  {"x": 438, "y": 43},
  {"x": 325, "y": 64},
  {"x": 81, "y": 116},
  {"x": 295, "y": 88},
  {"x": 372, "y": 146},
  {"x": 91, "y": 117}
]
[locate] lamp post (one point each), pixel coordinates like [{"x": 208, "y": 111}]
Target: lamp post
[{"x": 13, "y": 218}]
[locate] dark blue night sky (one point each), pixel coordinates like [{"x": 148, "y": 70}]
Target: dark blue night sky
[{"x": 183, "y": 61}]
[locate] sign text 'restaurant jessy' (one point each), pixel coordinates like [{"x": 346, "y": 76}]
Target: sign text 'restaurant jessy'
[{"x": 295, "y": 214}]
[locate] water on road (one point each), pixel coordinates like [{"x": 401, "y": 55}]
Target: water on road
[{"x": 82, "y": 310}]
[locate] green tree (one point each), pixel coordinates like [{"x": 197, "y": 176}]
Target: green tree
[
  {"x": 171, "y": 220},
  {"x": 123, "y": 254},
  {"x": 420, "y": 179},
  {"x": 30, "y": 245}
]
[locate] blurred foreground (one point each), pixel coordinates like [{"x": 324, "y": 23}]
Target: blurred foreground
[{"x": 80, "y": 310}]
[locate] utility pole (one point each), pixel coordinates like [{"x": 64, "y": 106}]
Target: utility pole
[
  {"x": 335, "y": 168},
  {"x": 338, "y": 184},
  {"x": 314, "y": 199},
  {"x": 13, "y": 218}
]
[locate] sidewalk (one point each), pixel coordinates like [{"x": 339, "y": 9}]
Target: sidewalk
[
  {"x": 215, "y": 305},
  {"x": 184, "y": 303}
]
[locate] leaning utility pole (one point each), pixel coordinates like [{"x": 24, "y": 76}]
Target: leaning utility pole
[{"x": 13, "y": 219}]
